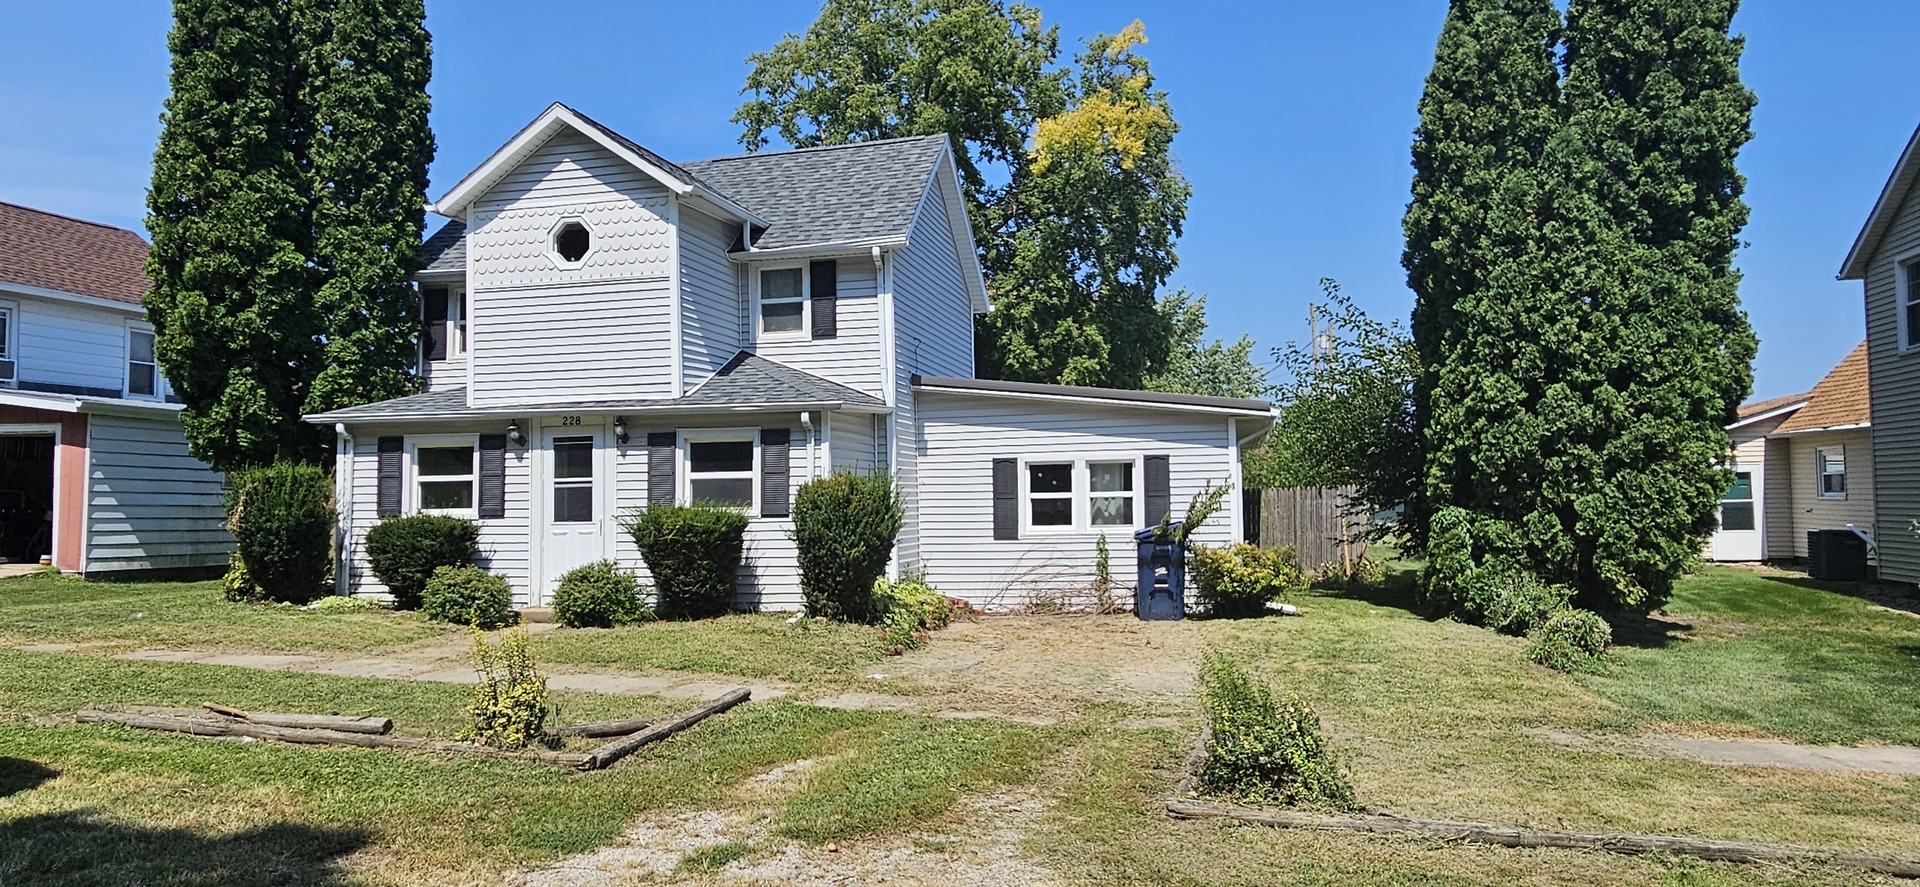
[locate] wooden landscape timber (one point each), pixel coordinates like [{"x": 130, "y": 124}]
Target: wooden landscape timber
[
  {"x": 211, "y": 711},
  {"x": 205, "y": 722},
  {"x": 1515, "y": 836}
]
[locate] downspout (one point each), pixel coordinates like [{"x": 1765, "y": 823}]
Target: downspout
[
  {"x": 343, "y": 499},
  {"x": 806, "y": 421}
]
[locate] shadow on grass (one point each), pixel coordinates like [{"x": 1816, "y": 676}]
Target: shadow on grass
[
  {"x": 1400, "y": 591},
  {"x": 18, "y": 775},
  {"x": 1646, "y": 631},
  {"x": 1891, "y": 595},
  {"x": 85, "y": 848}
]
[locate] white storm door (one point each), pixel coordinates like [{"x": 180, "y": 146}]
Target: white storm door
[
  {"x": 574, "y": 521},
  {"x": 1741, "y": 530}
]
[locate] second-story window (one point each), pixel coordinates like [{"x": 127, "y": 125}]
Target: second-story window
[
  {"x": 6, "y": 344},
  {"x": 783, "y": 302},
  {"x": 143, "y": 374}
]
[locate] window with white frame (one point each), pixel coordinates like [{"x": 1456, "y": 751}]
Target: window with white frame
[
  {"x": 783, "y": 301},
  {"x": 143, "y": 372},
  {"x": 1909, "y": 299},
  {"x": 1110, "y": 491},
  {"x": 1831, "y": 464},
  {"x": 6, "y": 344},
  {"x": 721, "y": 468},
  {"x": 1050, "y": 494},
  {"x": 444, "y": 477}
]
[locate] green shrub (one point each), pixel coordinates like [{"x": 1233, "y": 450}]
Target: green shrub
[
  {"x": 1514, "y": 603},
  {"x": 237, "y": 585},
  {"x": 404, "y": 552},
  {"x": 1262, "y": 749},
  {"x": 339, "y": 603},
  {"x": 1360, "y": 572},
  {"x": 693, "y": 552},
  {"x": 843, "y": 532},
  {"x": 467, "y": 596},
  {"x": 599, "y": 595},
  {"x": 281, "y": 517},
  {"x": 1572, "y": 641},
  {"x": 908, "y": 610},
  {"x": 510, "y": 707},
  {"x": 1239, "y": 579}
]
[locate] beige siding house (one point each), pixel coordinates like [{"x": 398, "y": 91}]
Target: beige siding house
[
  {"x": 1886, "y": 258},
  {"x": 1801, "y": 462}
]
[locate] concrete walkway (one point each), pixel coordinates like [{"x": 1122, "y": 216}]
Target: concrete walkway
[{"x": 1747, "y": 752}]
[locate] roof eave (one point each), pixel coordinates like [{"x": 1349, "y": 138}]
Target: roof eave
[
  {"x": 1881, "y": 218},
  {"x": 1772, "y": 413},
  {"x": 1249, "y": 409},
  {"x": 506, "y": 412},
  {"x": 838, "y": 247},
  {"x": 42, "y": 292},
  {"x": 1855, "y": 426}
]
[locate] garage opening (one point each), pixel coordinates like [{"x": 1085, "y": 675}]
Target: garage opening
[{"x": 26, "y": 497}]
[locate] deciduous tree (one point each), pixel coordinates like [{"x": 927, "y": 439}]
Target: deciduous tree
[{"x": 1197, "y": 365}]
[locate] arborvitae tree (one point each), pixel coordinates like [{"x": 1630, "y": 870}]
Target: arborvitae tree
[
  {"x": 365, "y": 66},
  {"x": 232, "y": 303},
  {"x": 1490, "y": 106},
  {"x": 1576, "y": 423},
  {"x": 1096, "y": 212}
]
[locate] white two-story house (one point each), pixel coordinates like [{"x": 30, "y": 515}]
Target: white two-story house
[
  {"x": 605, "y": 329},
  {"x": 95, "y": 476}
]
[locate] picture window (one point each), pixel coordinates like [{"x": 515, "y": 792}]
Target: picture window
[{"x": 721, "y": 472}]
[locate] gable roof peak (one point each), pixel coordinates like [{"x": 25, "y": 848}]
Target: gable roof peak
[{"x": 1905, "y": 171}]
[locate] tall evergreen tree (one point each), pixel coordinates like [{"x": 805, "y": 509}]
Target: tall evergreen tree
[
  {"x": 1490, "y": 106},
  {"x": 232, "y": 302},
  {"x": 1094, "y": 217},
  {"x": 1576, "y": 421},
  {"x": 365, "y": 66}
]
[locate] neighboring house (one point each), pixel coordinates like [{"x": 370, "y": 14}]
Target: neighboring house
[
  {"x": 606, "y": 329},
  {"x": 94, "y": 471},
  {"x": 1801, "y": 462},
  {"x": 1886, "y": 258}
]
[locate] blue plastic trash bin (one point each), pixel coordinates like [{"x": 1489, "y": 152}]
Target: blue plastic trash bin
[{"x": 1161, "y": 594}]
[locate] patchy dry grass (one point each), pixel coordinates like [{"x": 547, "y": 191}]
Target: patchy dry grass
[{"x": 754, "y": 646}]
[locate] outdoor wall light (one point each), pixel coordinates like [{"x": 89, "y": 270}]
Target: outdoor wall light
[
  {"x": 514, "y": 436},
  {"x": 620, "y": 429}
]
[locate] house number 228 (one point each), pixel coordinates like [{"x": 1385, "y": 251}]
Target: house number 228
[{"x": 569, "y": 420}]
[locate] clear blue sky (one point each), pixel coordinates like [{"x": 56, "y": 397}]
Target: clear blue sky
[{"x": 1295, "y": 122}]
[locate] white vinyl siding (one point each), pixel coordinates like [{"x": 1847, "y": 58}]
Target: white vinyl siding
[
  {"x": 854, "y": 442},
  {"x": 1894, "y": 380},
  {"x": 150, "y": 504},
  {"x": 853, "y": 356},
  {"x": 441, "y": 375},
  {"x": 709, "y": 297},
  {"x": 1812, "y": 511},
  {"x": 931, "y": 305},
  {"x": 965, "y": 434}
]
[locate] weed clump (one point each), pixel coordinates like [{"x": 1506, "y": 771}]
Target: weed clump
[
  {"x": 1263, "y": 748},
  {"x": 1572, "y": 641},
  {"x": 510, "y": 707}
]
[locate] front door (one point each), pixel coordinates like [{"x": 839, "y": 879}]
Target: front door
[
  {"x": 1740, "y": 533},
  {"x": 574, "y": 521}
]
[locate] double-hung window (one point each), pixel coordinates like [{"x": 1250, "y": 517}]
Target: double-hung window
[
  {"x": 1831, "y": 465},
  {"x": 1050, "y": 494},
  {"x": 1088, "y": 495},
  {"x": 1110, "y": 494},
  {"x": 444, "y": 476},
  {"x": 783, "y": 302},
  {"x": 721, "y": 468},
  {"x": 143, "y": 372},
  {"x": 1909, "y": 301}
]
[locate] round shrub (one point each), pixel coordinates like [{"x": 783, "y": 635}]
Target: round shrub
[
  {"x": 1572, "y": 640},
  {"x": 693, "y": 552},
  {"x": 467, "y": 596},
  {"x": 1515, "y": 603},
  {"x": 404, "y": 552},
  {"x": 1265, "y": 749},
  {"x": 843, "y": 532},
  {"x": 1239, "y": 579},
  {"x": 281, "y": 517},
  {"x": 599, "y": 595}
]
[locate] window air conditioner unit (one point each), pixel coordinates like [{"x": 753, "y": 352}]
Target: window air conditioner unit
[{"x": 6, "y": 371}]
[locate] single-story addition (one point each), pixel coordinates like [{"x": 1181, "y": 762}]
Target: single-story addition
[
  {"x": 95, "y": 476},
  {"x": 1801, "y": 462},
  {"x": 605, "y": 329}
]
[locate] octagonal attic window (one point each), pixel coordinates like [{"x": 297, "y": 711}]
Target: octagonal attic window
[{"x": 571, "y": 241}]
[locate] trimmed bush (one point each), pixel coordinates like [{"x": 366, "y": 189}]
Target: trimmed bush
[
  {"x": 693, "y": 552},
  {"x": 404, "y": 552},
  {"x": 1572, "y": 641},
  {"x": 510, "y": 707},
  {"x": 467, "y": 596},
  {"x": 599, "y": 595},
  {"x": 843, "y": 532},
  {"x": 1239, "y": 579},
  {"x": 1516, "y": 603},
  {"x": 1262, "y": 749},
  {"x": 907, "y": 610},
  {"x": 281, "y": 517}
]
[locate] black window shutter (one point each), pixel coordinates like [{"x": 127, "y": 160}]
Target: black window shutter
[
  {"x": 433, "y": 338},
  {"x": 1159, "y": 488},
  {"x": 392, "y": 451},
  {"x": 493, "y": 476},
  {"x": 775, "y": 494},
  {"x": 1006, "y": 498},
  {"x": 660, "y": 457},
  {"x": 826, "y": 298}
]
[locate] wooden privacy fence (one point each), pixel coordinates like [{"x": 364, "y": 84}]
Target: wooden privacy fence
[{"x": 1322, "y": 524}]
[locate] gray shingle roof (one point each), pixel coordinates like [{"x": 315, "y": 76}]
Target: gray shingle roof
[
  {"x": 748, "y": 380},
  {"x": 829, "y": 195},
  {"x": 446, "y": 250}
]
